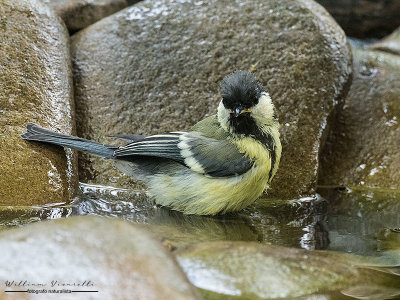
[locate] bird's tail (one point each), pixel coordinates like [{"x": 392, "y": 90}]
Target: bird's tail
[{"x": 39, "y": 134}]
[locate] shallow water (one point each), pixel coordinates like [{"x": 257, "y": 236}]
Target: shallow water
[
  {"x": 360, "y": 221},
  {"x": 346, "y": 220}
]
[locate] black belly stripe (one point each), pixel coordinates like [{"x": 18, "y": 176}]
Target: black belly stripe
[
  {"x": 246, "y": 125},
  {"x": 267, "y": 140},
  {"x": 273, "y": 159}
]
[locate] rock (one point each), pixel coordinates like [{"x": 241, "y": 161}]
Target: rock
[
  {"x": 365, "y": 18},
  {"x": 36, "y": 86},
  {"x": 78, "y": 14},
  {"x": 119, "y": 260},
  {"x": 131, "y": 2},
  {"x": 160, "y": 71},
  {"x": 360, "y": 220},
  {"x": 252, "y": 271},
  {"x": 363, "y": 147},
  {"x": 389, "y": 44}
]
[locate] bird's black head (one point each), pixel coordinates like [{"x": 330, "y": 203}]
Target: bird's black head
[
  {"x": 241, "y": 93},
  {"x": 240, "y": 90}
]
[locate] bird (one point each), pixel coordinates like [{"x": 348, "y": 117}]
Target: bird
[{"x": 222, "y": 165}]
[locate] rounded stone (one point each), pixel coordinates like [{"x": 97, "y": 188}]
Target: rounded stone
[
  {"x": 36, "y": 86},
  {"x": 156, "y": 67},
  {"x": 365, "y": 18},
  {"x": 363, "y": 147},
  {"x": 110, "y": 256},
  {"x": 390, "y": 43},
  {"x": 78, "y": 14},
  {"x": 240, "y": 270}
]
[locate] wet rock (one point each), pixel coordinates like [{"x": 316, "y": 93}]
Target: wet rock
[
  {"x": 130, "y": 2},
  {"x": 389, "y": 44},
  {"x": 36, "y": 86},
  {"x": 253, "y": 271},
  {"x": 78, "y": 14},
  {"x": 365, "y": 18},
  {"x": 160, "y": 71},
  {"x": 360, "y": 220},
  {"x": 297, "y": 223},
  {"x": 362, "y": 148},
  {"x": 117, "y": 259},
  {"x": 365, "y": 291}
]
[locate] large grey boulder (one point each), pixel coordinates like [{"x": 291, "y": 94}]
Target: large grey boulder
[
  {"x": 365, "y": 18},
  {"x": 35, "y": 86},
  {"x": 240, "y": 270},
  {"x": 78, "y": 14},
  {"x": 390, "y": 43},
  {"x": 363, "y": 147},
  {"x": 113, "y": 257},
  {"x": 156, "y": 67}
]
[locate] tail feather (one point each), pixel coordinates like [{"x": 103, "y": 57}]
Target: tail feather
[{"x": 39, "y": 134}]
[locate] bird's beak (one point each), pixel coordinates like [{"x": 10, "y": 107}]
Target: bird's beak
[{"x": 238, "y": 111}]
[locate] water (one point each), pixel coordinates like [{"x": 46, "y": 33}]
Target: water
[
  {"x": 353, "y": 221},
  {"x": 360, "y": 221}
]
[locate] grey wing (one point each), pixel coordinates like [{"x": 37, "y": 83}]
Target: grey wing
[
  {"x": 129, "y": 137},
  {"x": 216, "y": 158}
]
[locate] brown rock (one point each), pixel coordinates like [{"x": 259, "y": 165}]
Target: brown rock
[
  {"x": 115, "y": 258},
  {"x": 35, "y": 86},
  {"x": 363, "y": 147},
  {"x": 365, "y": 18},
  {"x": 160, "y": 71},
  {"x": 78, "y": 14},
  {"x": 389, "y": 44},
  {"x": 248, "y": 270}
]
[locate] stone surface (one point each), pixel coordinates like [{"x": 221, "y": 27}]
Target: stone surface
[
  {"x": 360, "y": 220},
  {"x": 389, "y": 44},
  {"x": 156, "y": 67},
  {"x": 363, "y": 147},
  {"x": 78, "y": 14},
  {"x": 130, "y": 2},
  {"x": 35, "y": 86},
  {"x": 365, "y": 18},
  {"x": 121, "y": 261},
  {"x": 253, "y": 271}
]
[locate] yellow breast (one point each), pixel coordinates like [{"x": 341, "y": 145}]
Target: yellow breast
[{"x": 205, "y": 195}]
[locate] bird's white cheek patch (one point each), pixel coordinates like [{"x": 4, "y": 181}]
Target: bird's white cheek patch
[
  {"x": 223, "y": 116},
  {"x": 264, "y": 107}
]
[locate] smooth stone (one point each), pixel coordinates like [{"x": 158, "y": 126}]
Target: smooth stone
[
  {"x": 360, "y": 220},
  {"x": 363, "y": 146},
  {"x": 36, "y": 86},
  {"x": 78, "y": 14},
  {"x": 240, "y": 270},
  {"x": 156, "y": 67},
  {"x": 390, "y": 43},
  {"x": 365, "y": 18},
  {"x": 120, "y": 260}
]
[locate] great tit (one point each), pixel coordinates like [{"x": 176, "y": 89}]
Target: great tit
[{"x": 222, "y": 165}]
